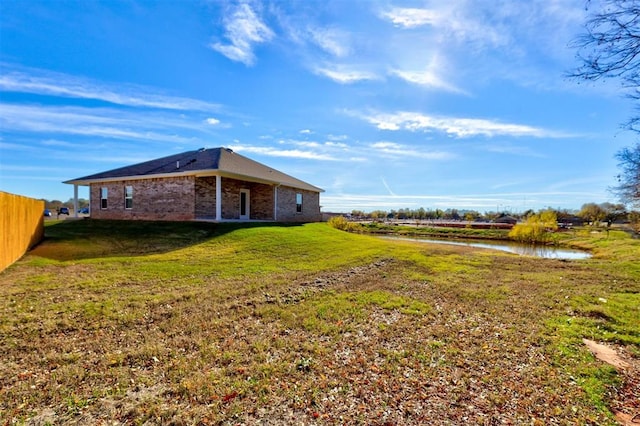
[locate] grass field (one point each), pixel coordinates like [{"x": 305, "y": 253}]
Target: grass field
[{"x": 200, "y": 323}]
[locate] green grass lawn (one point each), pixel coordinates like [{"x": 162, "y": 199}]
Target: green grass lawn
[{"x": 201, "y": 323}]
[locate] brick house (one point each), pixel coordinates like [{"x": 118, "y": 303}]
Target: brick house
[{"x": 207, "y": 184}]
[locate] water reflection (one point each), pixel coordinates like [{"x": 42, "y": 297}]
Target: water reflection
[{"x": 547, "y": 252}]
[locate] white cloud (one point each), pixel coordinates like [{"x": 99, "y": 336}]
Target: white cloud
[
  {"x": 58, "y": 143},
  {"x": 306, "y": 144},
  {"x": 43, "y": 82},
  {"x": 244, "y": 29},
  {"x": 305, "y": 131},
  {"x": 331, "y": 40},
  {"x": 411, "y": 17},
  {"x": 94, "y": 122},
  {"x": 430, "y": 77},
  {"x": 396, "y": 150},
  {"x": 426, "y": 79},
  {"x": 385, "y": 145},
  {"x": 212, "y": 121},
  {"x": 336, "y": 145},
  {"x": 515, "y": 150},
  {"x": 344, "y": 75},
  {"x": 461, "y": 21},
  {"x": 454, "y": 126},
  {"x": 288, "y": 153}
]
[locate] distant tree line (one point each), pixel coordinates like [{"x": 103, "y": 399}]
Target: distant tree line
[
  {"x": 54, "y": 205},
  {"x": 590, "y": 213}
]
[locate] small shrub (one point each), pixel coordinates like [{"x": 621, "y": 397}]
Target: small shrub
[{"x": 341, "y": 223}]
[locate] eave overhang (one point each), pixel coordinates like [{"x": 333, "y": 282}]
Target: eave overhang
[{"x": 195, "y": 173}]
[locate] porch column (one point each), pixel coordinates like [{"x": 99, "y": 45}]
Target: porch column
[
  {"x": 75, "y": 200},
  {"x": 275, "y": 203},
  {"x": 218, "y": 197}
]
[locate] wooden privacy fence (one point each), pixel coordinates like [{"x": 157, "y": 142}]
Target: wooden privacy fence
[{"x": 21, "y": 226}]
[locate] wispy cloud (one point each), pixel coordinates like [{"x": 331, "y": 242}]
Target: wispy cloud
[
  {"x": 428, "y": 79},
  {"x": 288, "y": 153},
  {"x": 336, "y": 144},
  {"x": 514, "y": 150},
  {"x": 386, "y": 185},
  {"x": 331, "y": 40},
  {"x": 345, "y": 74},
  {"x": 244, "y": 29},
  {"x": 59, "y": 143},
  {"x": 396, "y": 150},
  {"x": 95, "y": 122},
  {"x": 478, "y": 37},
  {"x": 305, "y": 144},
  {"x": 43, "y": 82},
  {"x": 411, "y": 17},
  {"x": 454, "y": 126},
  {"x": 463, "y": 21}
]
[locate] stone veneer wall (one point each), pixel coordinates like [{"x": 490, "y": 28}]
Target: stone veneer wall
[
  {"x": 153, "y": 199},
  {"x": 287, "y": 205}
]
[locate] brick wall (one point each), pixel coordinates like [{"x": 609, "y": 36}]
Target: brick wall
[
  {"x": 205, "y": 197},
  {"x": 153, "y": 199},
  {"x": 188, "y": 198},
  {"x": 260, "y": 199},
  {"x": 287, "y": 205}
]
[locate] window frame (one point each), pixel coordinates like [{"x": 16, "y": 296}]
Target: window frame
[
  {"x": 128, "y": 197},
  {"x": 104, "y": 198},
  {"x": 299, "y": 202}
]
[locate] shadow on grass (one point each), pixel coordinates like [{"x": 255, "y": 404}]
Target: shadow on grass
[{"x": 87, "y": 239}]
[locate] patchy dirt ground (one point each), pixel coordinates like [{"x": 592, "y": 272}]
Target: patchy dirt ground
[{"x": 239, "y": 353}]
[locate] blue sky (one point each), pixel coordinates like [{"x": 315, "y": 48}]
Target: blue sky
[{"x": 383, "y": 104}]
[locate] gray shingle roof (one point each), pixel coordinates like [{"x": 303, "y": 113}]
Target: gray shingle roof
[{"x": 200, "y": 162}]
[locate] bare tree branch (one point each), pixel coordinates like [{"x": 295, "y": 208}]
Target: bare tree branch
[{"x": 610, "y": 48}]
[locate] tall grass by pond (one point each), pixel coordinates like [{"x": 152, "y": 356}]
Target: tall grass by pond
[{"x": 226, "y": 323}]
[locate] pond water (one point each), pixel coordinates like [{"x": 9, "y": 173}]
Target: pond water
[{"x": 547, "y": 252}]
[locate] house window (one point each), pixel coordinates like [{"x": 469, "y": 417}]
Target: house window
[
  {"x": 103, "y": 198},
  {"x": 299, "y": 203},
  {"x": 128, "y": 197}
]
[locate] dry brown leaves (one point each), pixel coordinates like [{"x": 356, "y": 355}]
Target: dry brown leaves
[{"x": 205, "y": 359}]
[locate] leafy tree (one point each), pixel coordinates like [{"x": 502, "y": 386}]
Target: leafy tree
[
  {"x": 452, "y": 214},
  {"x": 592, "y": 212},
  {"x": 53, "y": 204},
  {"x": 471, "y": 215},
  {"x": 378, "y": 214},
  {"x": 537, "y": 227},
  {"x": 548, "y": 219},
  {"x": 613, "y": 212},
  {"x": 610, "y": 48}
]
